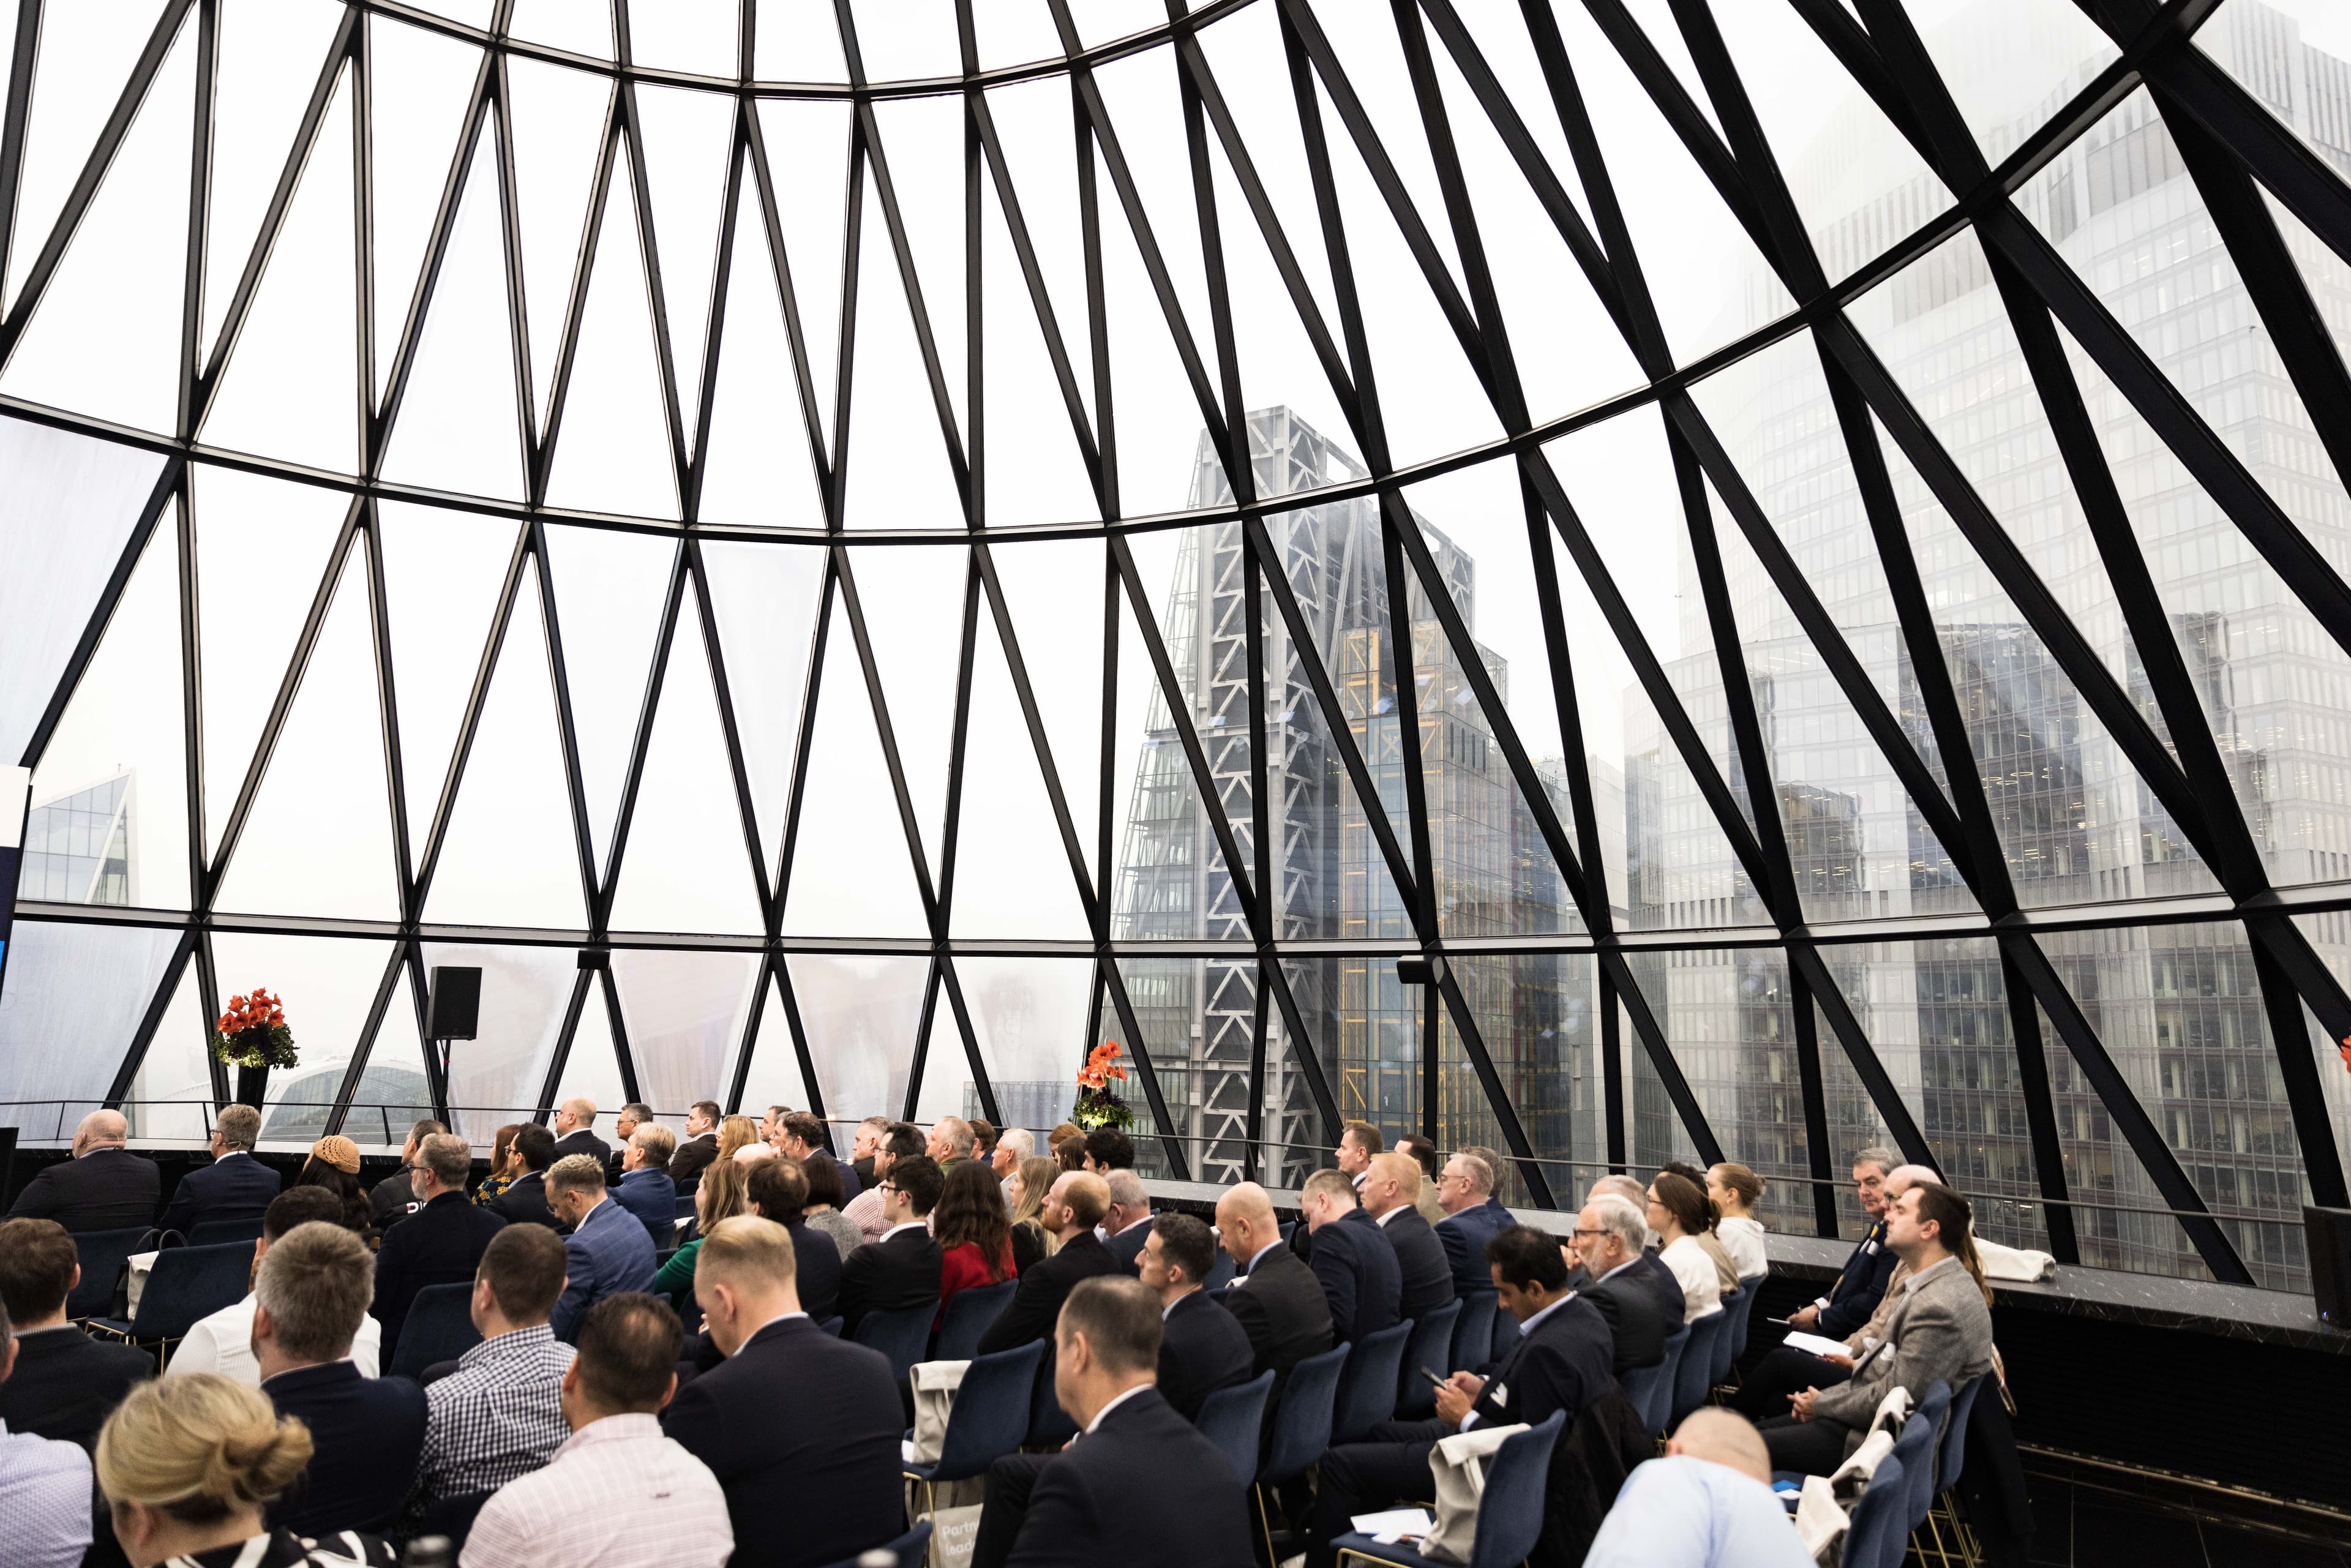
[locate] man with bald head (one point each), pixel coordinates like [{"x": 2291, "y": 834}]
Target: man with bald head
[
  {"x": 1391, "y": 1195},
  {"x": 1276, "y": 1297},
  {"x": 104, "y": 1186},
  {"x": 575, "y": 1132},
  {"x": 1071, "y": 1209},
  {"x": 1709, "y": 1503}
]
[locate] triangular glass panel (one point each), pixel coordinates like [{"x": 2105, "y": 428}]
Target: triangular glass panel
[
  {"x": 1013, "y": 871},
  {"x": 913, "y": 601},
  {"x": 1728, "y": 1027},
  {"x": 1205, "y": 627},
  {"x": 291, "y": 386},
  {"x": 172, "y": 1089},
  {"x": 104, "y": 340},
  {"x": 2009, "y": 65},
  {"x": 898, "y": 475},
  {"x": 258, "y": 542},
  {"x": 795, "y": 41},
  {"x": 860, "y": 1013},
  {"x": 687, "y": 137},
  {"x": 319, "y": 840},
  {"x": 950, "y": 1085},
  {"x": 609, "y": 589},
  {"x": 1165, "y": 996},
  {"x": 687, "y": 866},
  {"x": 1053, "y": 592},
  {"x": 697, "y": 35},
  {"x": 494, "y": 1077},
  {"x": 1371, "y": 57},
  {"x": 592, "y": 1072},
  {"x": 806, "y": 145},
  {"x": 422, "y": 82},
  {"x": 577, "y": 29},
  {"x": 508, "y": 858},
  {"x": 1503, "y": 41},
  {"x": 686, "y": 1013},
  {"x": 774, "y": 1077},
  {"x": 611, "y": 451},
  {"x": 1030, "y": 468},
  {"x": 1033, "y": 123},
  {"x": 558, "y": 117},
  {"x": 327, "y": 985},
  {"x": 1013, "y": 32},
  {"x": 457, "y": 428},
  {"x": 394, "y": 1091},
  {"x": 904, "y": 40},
  {"x": 1030, "y": 1017},
  {"x": 922, "y": 148},
  {"x": 764, "y": 599},
  {"x": 1657, "y": 24},
  {"x": 848, "y": 869},
  {"x": 76, "y": 995},
  {"x": 755, "y": 462}
]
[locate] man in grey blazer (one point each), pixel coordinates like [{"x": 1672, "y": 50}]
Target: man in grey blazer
[{"x": 1939, "y": 1331}]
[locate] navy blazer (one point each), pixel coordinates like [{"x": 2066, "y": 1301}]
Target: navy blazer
[
  {"x": 581, "y": 1141},
  {"x": 802, "y": 1431},
  {"x": 1281, "y": 1307},
  {"x": 1860, "y": 1285},
  {"x": 1638, "y": 1317},
  {"x": 233, "y": 1186},
  {"x": 1036, "y": 1303},
  {"x": 367, "y": 1433},
  {"x": 67, "y": 1384},
  {"x": 815, "y": 1263},
  {"x": 440, "y": 1244},
  {"x": 1202, "y": 1348},
  {"x": 1428, "y": 1276},
  {"x": 1360, "y": 1276},
  {"x": 609, "y": 1254},
  {"x": 888, "y": 1275},
  {"x": 109, "y": 1188},
  {"x": 1127, "y": 1246},
  {"x": 652, "y": 1197},
  {"x": 526, "y": 1202},
  {"x": 1088, "y": 1507},
  {"x": 1464, "y": 1236},
  {"x": 1566, "y": 1364}
]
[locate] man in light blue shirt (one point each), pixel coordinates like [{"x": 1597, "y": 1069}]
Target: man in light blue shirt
[
  {"x": 1707, "y": 1504},
  {"x": 45, "y": 1488}
]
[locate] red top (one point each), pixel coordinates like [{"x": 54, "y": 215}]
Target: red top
[{"x": 960, "y": 1269}]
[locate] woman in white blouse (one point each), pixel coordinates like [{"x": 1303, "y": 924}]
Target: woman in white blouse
[
  {"x": 1736, "y": 1190},
  {"x": 1679, "y": 1214}
]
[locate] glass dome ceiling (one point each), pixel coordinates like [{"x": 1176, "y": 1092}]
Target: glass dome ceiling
[{"x": 846, "y": 553}]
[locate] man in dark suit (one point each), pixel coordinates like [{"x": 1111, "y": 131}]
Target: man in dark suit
[
  {"x": 1560, "y": 1362},
  {"x": 801, "y": 1136},
  {"x": 104, "y": 1186},
  {"x": 310, "y": 1294},
  {"x": 779, "y": 1191},
  {"x": 65, "y": 1383},
  {"x": 1071, "y": 1209},
  {"x": 1351, "y": 1258},
  {"x": 575, "y": 1132},
  {"x": 1861, "y": 1283},
  {"x": 901, "y": 1270},
  {"x": 1274, "y": 1297},
  {"x": 394, "y": 1198},
  {"x": 441, "y": 1244},
  {"x": 637, "y": 1114},
  {"x": 644, "y": 1187},
  {"x": 1391, "y": 1194},
  {"x": 701, "y": 1145},
  {"x": 1608, "y": 1234},
  {"x": 1201, "y": 1347},
  {"x": 801, "y": 1493},
  {"x": 525, "y": 1203},
  {"x": 1473, "y": 1217},
  {"x": 236, "y": 1186},
  {"x": 1086, "y": 1506},
  {"x": 1126, "y": 1224}
]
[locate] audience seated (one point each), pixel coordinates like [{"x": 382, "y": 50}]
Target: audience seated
[
  {"x": 1202, "y": 1347},
  {"x": 441, "y": 1244},
  {"x": 1736, "y": 1190},
  {"x": 724, "y": 1192},
  {"x": 973, "y": 1232},
  {"x": 1473, "y": 1217},
  {"x": 1423, "y": 1154},
  {"x": 950, "y": 1141},
  {"x": 801, "y": 1430},
  {"x": 500, "y": 1414},
  {"x": 1607, "y": 1242},
  {"x": 103, "y": 1186},
  {"x": 736, "y": 1134},
  {"x": 1275, "y": 1297},
  {"x": 700, "y": 1147},
  {"x": 1127, "y": 1222},
  {"x": 825, "y": 1203},
  {"x": 1677, "y": 1214},
  {"x": 1726, "y": 1268},
  {"x": 312, "y": 1293},
  {"x": 395, "y": 1197},
  {"x": 609, "y": 1251},
  {"x": 1358, "y": 1142},
  {"x": 983, "y": 1141},
  {"x": 1068, "y": 1150},
  {"x": 1862, "y": 1283},
  {"x": 575, "y": 1132},
  {"x": 1013, "y": 1146},
  {"x": 1025, "y": 1191},
  {"x": 334, "y": 1165},
  {"x": 619, "y": 1493},
  {"x": 901, "y": 1270},
  {"x": 236, "y": 1186},
  {"x": 1390, "y": 1190},
  {"x": 1072, "y": 1209},
  {"x": 779, "y": 1191},
  {"x": 1560, "y": 1361},
  {"x": 645, "y": 1188},
  {"x": 897, "y": 1141},
  {"x": 863, "y": 1144},
  {"x": 1109, "y": 1149},
  {"x": 801, "y": 1136},
  {"x": 44, "y": 1487},
  {"x": 223, "y": 1343},
  {"x": 191, "y": 1464},
  {"x": 1141, "y": 1485},
  {"x": 1939, "y": 1331},
  {"x": 504, "y": 1167},
  {"x": 1709, "y": 1503},
  {"x": 1342, "y": 1243},
  {"x": 637, "y": 1114},
  {"x": 65, "y": 1382}
]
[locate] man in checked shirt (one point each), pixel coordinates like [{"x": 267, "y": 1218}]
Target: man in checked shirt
[{"x": 500, "y": 1414}]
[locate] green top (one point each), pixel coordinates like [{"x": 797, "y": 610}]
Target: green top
[{"x": 675, "y": 1278}]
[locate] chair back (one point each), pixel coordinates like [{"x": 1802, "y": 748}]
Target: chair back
[
  {"x": 1049, "y": 1424},
  {"x": 911, "y": 1549},
  {"x": 967, "y": 1316},
  {"x": 1935, "y": 1406},
  {"x": 1916, "y": 1449},
  {"x": 1430, "y": 1346},
  {"x": 191, "y": 1282},
  {"x": 1367, "y": 1393},
  {"x": 1518, "y": 1486},
  {"x": 1506, "y": 1333},
  {"x": 1695, "y": 1373},
  {"x": 102, "y": 1254},
  {"x": 1302, "y": 1421},
  {"x": 1753, "y": 1291},
  {"x": 1651, "y": 1388},
  {"x": 989, "y": 1417},
  {"x": 452, "y": 1517},
  {"x": 1234, "y": 1420},
  {"x": 221, "y": 1232},
  {"x": 1473, "y": 1332},
  {"x": 1734, "y": 1322},
  {"x": 1879, "y": 1536},
  {"x": 831, "y": 1326},
  {"x": 439, "y": 1327},
  {"x": 684, "y": 1206},
  {"x": 1952, "y": 1457},
  {"x": 1220, "y": 1273},
  {"x": 903, "y": 1334}
]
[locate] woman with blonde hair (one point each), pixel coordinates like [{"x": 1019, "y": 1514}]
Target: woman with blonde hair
[
  {"x": 1030, "y": 1180},
  {"x": 188, "y": 1466},
  {"x": 724, "y": 1192},
  {"x": 502, "y": 1162},
  {"x": 735, "y": 1132},
  {"x": 1736, "y": 1190}
]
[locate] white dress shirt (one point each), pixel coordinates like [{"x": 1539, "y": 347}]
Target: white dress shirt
[
  {"x": 1525, "y": 1329},
  {"x": 618, "y": 1494},
  {"x": 223, "y": 1343},
  {"x": 1116, "y": 1400}
]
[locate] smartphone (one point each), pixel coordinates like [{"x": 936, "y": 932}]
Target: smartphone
[{"x": 1430, "y": 1375}]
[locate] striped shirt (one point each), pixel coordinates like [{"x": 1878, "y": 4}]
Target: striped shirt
[
  {"x": 498, "y": 1415},
  {"x": 44, "y": 1492},
  {"x": 619, "y": 1494}
]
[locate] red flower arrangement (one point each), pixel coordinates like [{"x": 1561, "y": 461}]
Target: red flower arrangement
[
  {"x": 1097, "y": 1106},
  {"x": 252, "y": 1032}
]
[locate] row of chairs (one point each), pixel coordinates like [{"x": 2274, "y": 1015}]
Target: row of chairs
[
  {"x": 104, "y": 1253},
  {"x": 1698, "y": 1356},
  {"x": 1911, "y": 1490}
]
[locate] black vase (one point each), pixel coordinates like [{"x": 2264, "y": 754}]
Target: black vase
[{"x": 253, "y": 1085}]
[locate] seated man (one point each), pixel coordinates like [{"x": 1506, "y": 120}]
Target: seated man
[
  {"x": 104, "y": 1186},
  {"x": 617, "y": 1493},
  {"x": 500, "y": 1414},
  {"x": 65, "y": 1383},
  {"x": 1071, "y": 1209},
  {"x": 1607, "y": 1240},
  {"x": 1939, "y": 1331},
  {"x": 575, "y": 1132},
  {"x": 1390, "y": 1192},
  {"x": 311, "y": 1292},
  {"x": 1561, "y": 1361},
  {"x": 607, "y": 1252},
  {"x": 1709, "y": 1501},
  {"x": 901, "y": 1270},
  {"x": 1202, "y": 1347},
  {"x": 1083, "y": 1507},
  {"x": 394, "y": 1198},
  {"x": 1275, "y": 1298},
  {"x": 1861, "y": 1284},
  {"x": 45, "y": 1488},
  {"x": 701, "y": 1145},
  {"x": 801, "y": 1136},
  {"x": 779, "y": 1191},
  {"x": 801, "y": 1428},
  {"x": 647, "y": 1189},
  {"x": 1473, "y": 1217},
  {"x": 525, "y": 1201},
  {"x": 1127, "y": 1222},
  {"x": 441, "y": 1243},
  {"x": 223, "y": 1343},
  {"x": 1109, "y": 1149},
  {"x": 950, "y": 1142},
  {"x": 1357, "y": 1267},
  {"x": 897, "y": 1141},
  {"x": 236, "y": 1186},
  {"x": 635, "y": 1114}
]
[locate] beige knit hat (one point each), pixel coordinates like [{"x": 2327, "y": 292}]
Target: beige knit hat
[{"x": 339, "y": 1152}]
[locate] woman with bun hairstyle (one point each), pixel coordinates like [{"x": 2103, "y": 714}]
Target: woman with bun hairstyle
[
  {"x": 188, "y": 1464},
  {"x": 334, "y": 1164},
  {"x": 1736, "y": 1190}
]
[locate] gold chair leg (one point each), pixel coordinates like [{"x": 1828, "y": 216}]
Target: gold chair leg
[{"x": 1264, "y": 1525}]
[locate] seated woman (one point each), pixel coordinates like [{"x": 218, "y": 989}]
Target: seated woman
[
  {"x": 735, "y": 1132},
  {"x": 974, "y": 1233},
  {"x": 188, "y": 1464},
  {"x": 1027, "y": 1189},
  {"x": 725, "y": 1193},
  {"x": 505, "y": 1168},
  {"x": 1679, "y": 1214},
  {"x": 1726, "y": 1269},
  {"x": 334, "y": 1164},
  {"x": 1736, "y": 1190}
]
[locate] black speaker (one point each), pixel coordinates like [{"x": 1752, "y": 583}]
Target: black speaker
[
  {"x": 2326, "y": 1235},
  {"x": 456, "y": 1003}
]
